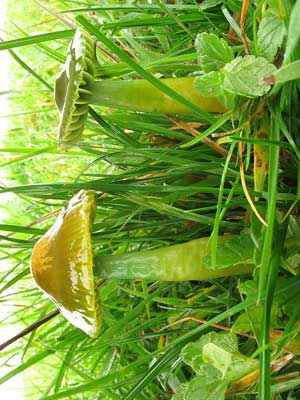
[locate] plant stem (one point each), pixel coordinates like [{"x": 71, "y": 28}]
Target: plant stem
[
  {"x": 140, "y": 95},
  {"x": 181, "y": 262},
  {"x": 29, "y": 329}
]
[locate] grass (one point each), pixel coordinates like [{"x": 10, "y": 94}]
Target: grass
[{"x": 157, "y": 183}]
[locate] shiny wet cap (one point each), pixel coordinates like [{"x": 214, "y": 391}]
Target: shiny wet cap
[{"x": 62, "y": 264}]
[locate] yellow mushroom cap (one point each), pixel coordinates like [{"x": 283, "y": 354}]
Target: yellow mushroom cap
[{"x": 62, "y": 264}]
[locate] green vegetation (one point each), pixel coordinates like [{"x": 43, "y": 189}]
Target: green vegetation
[{"x": 160, "y": 180}]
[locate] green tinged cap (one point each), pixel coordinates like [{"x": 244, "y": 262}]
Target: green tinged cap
[{"x": 62, "y": 264}]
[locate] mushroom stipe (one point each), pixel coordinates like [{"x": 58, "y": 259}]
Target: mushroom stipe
[
  {"x": 63, "y": 264},
  {"x": 76, "y": 88}
]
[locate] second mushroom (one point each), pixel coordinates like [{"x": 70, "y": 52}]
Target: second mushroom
[
  {"x": 76, "y": 88},
  {"x": 64, "y": 267}
]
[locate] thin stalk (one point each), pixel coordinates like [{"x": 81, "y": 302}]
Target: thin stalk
[
  {"x": 265, "y": 356},
  {"x": 181, "y": 262},
  {"x": 29, "y": 329}
]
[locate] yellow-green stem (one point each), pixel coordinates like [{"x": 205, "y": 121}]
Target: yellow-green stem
[
  {"x": 140, "y": 95},
  {"x": 181, "y": 262}
]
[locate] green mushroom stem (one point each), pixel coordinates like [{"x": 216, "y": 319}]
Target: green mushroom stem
[
  {"x": 64, "y": 267},
  {"x": 140, "y": 95},
  {"x": 76, "y": 88},
  {"x": 180, "y": 262}
]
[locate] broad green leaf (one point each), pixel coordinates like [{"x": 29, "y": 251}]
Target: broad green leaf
[
  {"x": 192, "y": 355},
  {"x": 216, "y": 360},
  {"x": 248, "y": 76},
  {"x": 202, "y": 387},
  {"x": 270, "y": 36},
  {"x": 181, "y": 391},
  {"x": 232, "y": 251},
  {"x": 213, "y": 52},
  {"x": 218, "y": 352},
  {"x": 293, "y": 36},
  {"x": 206, "y": 388},
  {"x": 232, "y": 364},
  {"x": 249, "y": 289},
  {"x": 250, "y": 321},
  {"x": 218, "y": 357},
  {"x": 210, "y": 84}
]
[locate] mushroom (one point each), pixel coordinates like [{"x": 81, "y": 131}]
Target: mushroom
[
  {"x": 63, "y": 266},
  {"x": 75, "y": 89}
]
